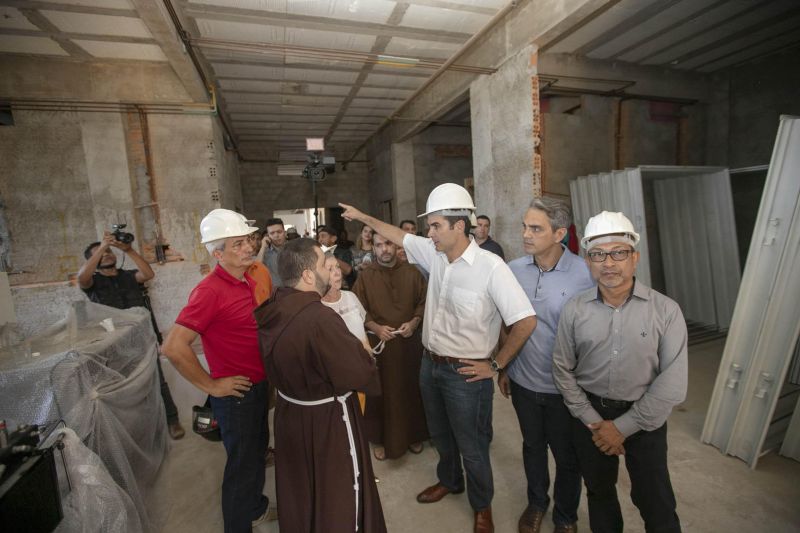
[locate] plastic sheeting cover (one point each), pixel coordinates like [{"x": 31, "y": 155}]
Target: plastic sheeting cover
[
  {"x": 104, "y": 385},
  {"x": 95, "y": 503}
]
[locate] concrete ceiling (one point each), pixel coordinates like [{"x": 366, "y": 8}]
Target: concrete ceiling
[
  {"x": 289, "y": 69},
  {"x": 699, "y": 35}
]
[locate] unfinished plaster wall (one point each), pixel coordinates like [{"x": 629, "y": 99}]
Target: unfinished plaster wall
[
  {"x": 381, "y": 172},
  {"x": 589, "y": 134},
  {"x": 264, "y": 191},
  {"x": 404, "y": 173},
  {"x": 655, "y": 133},
  {"x": 403, "y": 183},
  {"x": 227, "y": 165},
  {"x": 442, "y": 154},
  {"x": 38, "y": 307},
  {"x": 503, "y": 147},
  {"x": 760, "y": 92},
  {"x": 49, "y": 208},
  {"x": 578, "y": 139},
  {"x": 189, "y": 180},
  {"x": 67, "y": 179}
]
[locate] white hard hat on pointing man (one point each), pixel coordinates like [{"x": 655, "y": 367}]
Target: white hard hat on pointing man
[{"x": 450, "y": 200}]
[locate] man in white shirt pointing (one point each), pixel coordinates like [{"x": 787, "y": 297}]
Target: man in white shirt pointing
[{"x": 471, "y": 292}]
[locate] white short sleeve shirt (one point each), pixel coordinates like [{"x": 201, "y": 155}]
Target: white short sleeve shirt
[{"x": 468, "y": 299}]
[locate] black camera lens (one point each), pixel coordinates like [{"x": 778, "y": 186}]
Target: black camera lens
[{"x": 123, "y": 237}]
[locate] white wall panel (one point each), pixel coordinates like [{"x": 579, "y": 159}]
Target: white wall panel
[
  {"x": 684, "y": 248},
  {"x": 723, "y": 248},
  {"x": 765, "y": 325},
  {"x": 696, "y": 230},
  {"x": 634, "y": 203}
]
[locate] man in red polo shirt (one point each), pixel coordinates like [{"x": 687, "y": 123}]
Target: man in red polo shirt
[{"x": 220, "y": 310}]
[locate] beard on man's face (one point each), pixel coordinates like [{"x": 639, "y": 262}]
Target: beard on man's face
[{"x": 321, "y": 285}]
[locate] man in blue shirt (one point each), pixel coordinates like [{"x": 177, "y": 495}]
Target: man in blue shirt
[{"x": 550, "y": 276}]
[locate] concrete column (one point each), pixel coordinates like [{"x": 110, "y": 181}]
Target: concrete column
[
  {"x": 403, "y": 181},
  {"x": 503, "y": 147}
]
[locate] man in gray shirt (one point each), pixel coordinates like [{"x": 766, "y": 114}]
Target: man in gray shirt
[{"x": 620, "y": 362}]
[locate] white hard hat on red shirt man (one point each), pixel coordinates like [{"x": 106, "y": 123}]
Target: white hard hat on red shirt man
[
  {"x": 450, "y": 200},
  {"x": 224, "y": 223}
]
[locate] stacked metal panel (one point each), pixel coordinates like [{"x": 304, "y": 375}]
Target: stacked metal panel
[
  {"x": 696, "y": 231},
  {"x": 766, "y": 321}
]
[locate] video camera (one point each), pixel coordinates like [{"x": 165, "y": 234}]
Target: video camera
[
  {"x": 121, "y": 236},
  {"x": 318, "y": 166}
]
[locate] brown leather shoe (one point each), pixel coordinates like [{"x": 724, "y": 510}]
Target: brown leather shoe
[
  {"x": 434, "y": 493},
  {"x": 531, "y": 520},
  {"x": 569, "y": 528},
  {"x": 483, "y": 521}
]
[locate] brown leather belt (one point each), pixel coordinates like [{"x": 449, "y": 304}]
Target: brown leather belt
[{"x": 443, "y": 359}]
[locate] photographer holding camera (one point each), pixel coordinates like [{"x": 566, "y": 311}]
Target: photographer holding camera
[{"x": 106, "y": 284}]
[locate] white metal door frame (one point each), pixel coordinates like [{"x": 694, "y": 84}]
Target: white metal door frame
[{"x": 765, "y": 327}]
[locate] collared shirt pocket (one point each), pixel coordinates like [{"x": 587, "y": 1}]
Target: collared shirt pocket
[{"x": 464, "y": 302}]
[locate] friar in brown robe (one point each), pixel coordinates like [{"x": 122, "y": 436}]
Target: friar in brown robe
[
  {"x": 393, "y": 294},
  {"x": 310, "y": 356}
]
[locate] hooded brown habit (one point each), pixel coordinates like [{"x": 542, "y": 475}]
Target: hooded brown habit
[{"x": 310, "y": 355}]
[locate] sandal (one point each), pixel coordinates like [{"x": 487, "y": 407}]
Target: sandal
[
  {"x": 416, "y": 448},
  {"x": 379, "y": 452}
]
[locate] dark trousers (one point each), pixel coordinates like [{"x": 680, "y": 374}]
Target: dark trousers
[
  {"x": 243, "y": 425},
  {"x": 169, "y": 404},
  {"x": 459, "y": 416},
  {"x": 545, "y": 421},
  {"x": 646, "y": 461}
]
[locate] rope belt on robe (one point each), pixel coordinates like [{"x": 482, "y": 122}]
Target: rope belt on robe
[
  {"x": 378, "y": 347},
  {"x": 351, "y": 440}
]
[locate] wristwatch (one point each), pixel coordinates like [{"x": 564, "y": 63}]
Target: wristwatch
[{"x": 496, "y": 368}]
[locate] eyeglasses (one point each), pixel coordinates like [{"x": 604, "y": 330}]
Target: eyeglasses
[{"x": 616, "y": 255}]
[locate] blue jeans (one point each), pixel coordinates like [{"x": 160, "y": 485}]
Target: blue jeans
[
  {"x": 243, "y": 425},
  {"x": 545, "y": 421},
  {"x": 459, "y": 416}
]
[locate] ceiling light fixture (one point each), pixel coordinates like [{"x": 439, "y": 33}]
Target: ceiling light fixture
[{"x": 395, "y": 61}]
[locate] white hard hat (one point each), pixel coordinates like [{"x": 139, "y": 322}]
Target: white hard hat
[
  {"x": 452, "y": 199},
  {"x": 224, "y": 223},
  {"x": 609, "y": 223}
]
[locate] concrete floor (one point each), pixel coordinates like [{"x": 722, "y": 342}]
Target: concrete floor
[{"x": 714, "y": 492}]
